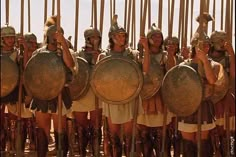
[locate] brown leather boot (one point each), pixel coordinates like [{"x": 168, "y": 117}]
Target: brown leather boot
[
  {"x": 127, "y": 146},
  {"x": 83, "y": 141},
  {"x": 64, "y": 143},
  {"x": 41, "y": 143},
  {"x": 206, "y": 148},
  {"x": 116, "y": 146},
  {"x": 95, "y": 140},
  {"x": 189, "y": 149}
]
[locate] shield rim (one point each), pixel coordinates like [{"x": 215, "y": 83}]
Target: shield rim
[
  {"x": 170, "y": 107},
  {"x": 154, "y": 89},
  {"x": 83, "y": 92}
]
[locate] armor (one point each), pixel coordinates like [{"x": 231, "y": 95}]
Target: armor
[
  {"x": 171, "y": 40},
  {"x": 9, "y": 75},
  {"x": 116, "y": 79},
  {"x": 91, "y": 32},
  {"x": 44, "y": 75},
  {"x": 217, "y": 39},
  {"x": 182, "y": 100},
  {"x": 115, "y": 28},
  {"x": 8, "y": 31},
  {"x": 153, "y": 30},
  {"x": 29, "y": 37},
  {"x": 80, "y": 84}
]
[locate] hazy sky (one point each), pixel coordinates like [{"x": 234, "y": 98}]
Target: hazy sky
[{"x": 68, "y": 17}]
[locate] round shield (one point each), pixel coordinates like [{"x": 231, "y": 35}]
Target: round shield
[
  {"x": 116, "y": 79},
  {"x": 152, "y": 80},
  {"x": 45, "y": 75},
  {"x": 221, "y": 86},
  {"x": 182, "y": 90},
  {"x": 9, "y": 75},
  {"x": 80, "y": 84}
]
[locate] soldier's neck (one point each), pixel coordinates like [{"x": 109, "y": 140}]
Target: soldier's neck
[
  {"x": 118, "y": 48},
  {"x": 155, "y": 50},
  {"x": 7, "y": 48}
]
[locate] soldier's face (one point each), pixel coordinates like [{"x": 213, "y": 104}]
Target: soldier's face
[
  {"x": 53, "y": 41},
  {"x": 32, "y": 45},
  {"x": 156, "y": 39},
  {"x": 119, "y": 39},
  {"x": 206, "y": 47},
  {"x": 95, "y": 41},
  {"x": 9, "y": 41}
]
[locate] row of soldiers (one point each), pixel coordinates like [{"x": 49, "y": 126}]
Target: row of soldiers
[{"x": 216, "y": 56}]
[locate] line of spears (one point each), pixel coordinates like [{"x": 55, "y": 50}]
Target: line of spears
[{"x": 156, "y": 100}]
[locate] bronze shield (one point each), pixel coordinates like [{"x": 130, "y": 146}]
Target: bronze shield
[
  {"x": 182, "y": 90},
  {"x": 80, "y": 84},
  {"x": 152, "y": 80},
  {"x": 45, "y": 75},
  {"x": 116, "y": 79},
  {"x": 9, "y": 75}
]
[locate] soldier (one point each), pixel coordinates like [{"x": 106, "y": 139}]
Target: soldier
[
  {"x": 150, "y": 123},
  {"x": 88, "y": 129},
  {"x": 172, "y": 46},
  {"x": 208, "y": 70},
  {"x": 8, "y": 48},
  {"x": 222, "y": 52},
  {"x": 121, "y": 113},
  {"x": 47, "y": 109},
  {"x": 29, "y": 43}
]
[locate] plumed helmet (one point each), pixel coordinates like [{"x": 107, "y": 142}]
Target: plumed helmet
[
  {"x": 217, "y": 37},
  {"x": 52, "y": 29},
  {"x": 115, "y": 28},
  {"x": 30, "y": 36},
  {"x": 8, "y": 31},
  {"x": 195, "y": 39},
  {"x": 91, "y": 32},
  {"x": 206, "y": 17},
  {"x": 153, "y": 30},
  {"x": 171, "y": 40}
]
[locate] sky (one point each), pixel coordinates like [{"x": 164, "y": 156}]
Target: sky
[{"x": 68, "y": 17}]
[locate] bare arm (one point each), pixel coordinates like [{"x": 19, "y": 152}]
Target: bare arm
[
  {"x": 210, "y": 74},
  {"x": 67, "y": 57},
  {"x": 146, "y": 55}
]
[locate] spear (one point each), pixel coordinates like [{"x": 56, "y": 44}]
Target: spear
[
  {"x": 7, "y": 12},
  {"x": 18, "y": 137},
  {"x": 45, "y": 10},
  {"x": 76, "y": 24},
  {"x": 160, "y": 15},
  {"x": 60, "y": 134},
  {"x": 29, "y": 27},
  {"x": 101, "y": 17},
  {"x": 53, "y": 7}
]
